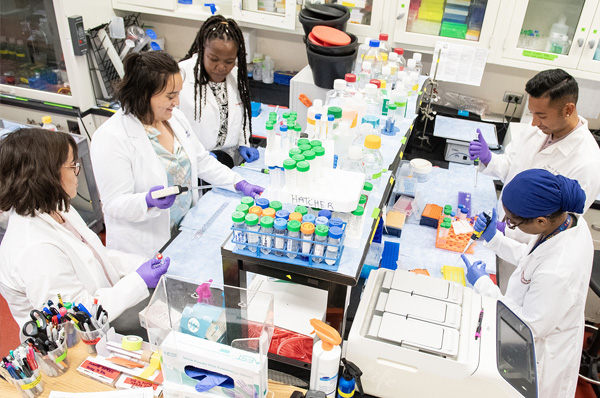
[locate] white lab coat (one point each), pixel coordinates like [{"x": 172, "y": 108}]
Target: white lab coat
[
  {"x": 207, "y": 129},
  {"x": 126, "y": 167},
  {"x": 577, "y": 157},
  {"x": 548, "y": 291},
  {"x": 40, "y": 258}
]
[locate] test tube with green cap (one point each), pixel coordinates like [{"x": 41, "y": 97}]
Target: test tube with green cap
[
  {"x": 298, "y": 158},
  {"x": 321, "y": 232},
  {"x": 292, "y": 245},
  {"x": 305, "y": 147},
  {"x": 275, "y": 204},
  {"x": 243, "y": 208},
  {"x": 355, "y": 222},
  {"x": 303, "y": 168},
  {"x": 291, "y": 177},
  {"x": 294, "y": 151},
  {"x": 319, "y": 161},
  {"x": 303, "y": 141},
  {"x": 266, "y": 226},
  {"x": 252, "y": 226},
  {"x": 239, "y": 234},
  {"x": 248, "y": 201},
  {"x": 315, "y": 143},
  {"x": 301, "y": 209}
]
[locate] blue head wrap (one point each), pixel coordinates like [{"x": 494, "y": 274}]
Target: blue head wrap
[{"x": 538, "y": 193}]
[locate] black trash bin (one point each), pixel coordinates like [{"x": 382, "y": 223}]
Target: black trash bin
[
  {"x": 327, "y": 68},
  {"x": 334, "y": 15}
]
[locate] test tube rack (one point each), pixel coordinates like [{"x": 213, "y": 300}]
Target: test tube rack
[
  {"x": 454, "y": 274},
  {"x": 300, "y": 259},
  {"x": 455, "y": 243}
]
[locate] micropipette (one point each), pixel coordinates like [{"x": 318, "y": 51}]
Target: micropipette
[
  {"x": 178, "y": 189},
  {"x": 476, "y": 163},
  {"x": 476, "y": 235}
]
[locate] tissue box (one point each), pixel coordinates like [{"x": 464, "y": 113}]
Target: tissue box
[{"x": 235, "y": 344}]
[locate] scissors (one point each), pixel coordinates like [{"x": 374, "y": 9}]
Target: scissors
[{"x": 37, "y": 326}]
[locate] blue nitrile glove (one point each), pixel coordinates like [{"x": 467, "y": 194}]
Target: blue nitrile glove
[
  {"x": 153, "y": 269},
  {"x": 249, "y": 154},
  {"x": 475, "y": 270},
  {"x": 248, "y": 189},
  {"x": 501, "y": 226},
  {"x": 490, "y": 231},
  {"x": 162, "y": 203},
  {"x": 479, "y": 149},
  {"x": 212, "y": 154},
  {"x": 207, "y": 379}
]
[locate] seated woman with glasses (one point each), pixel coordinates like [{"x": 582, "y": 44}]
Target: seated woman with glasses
[
  {"x": 48, "y": 248},
  {"x": 548, "y": 289}
]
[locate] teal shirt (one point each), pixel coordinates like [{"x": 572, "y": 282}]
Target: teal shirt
[{"x": 179, "y": 172}]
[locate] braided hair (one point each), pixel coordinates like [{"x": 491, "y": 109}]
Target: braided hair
[{"x": 219, "y": 27}]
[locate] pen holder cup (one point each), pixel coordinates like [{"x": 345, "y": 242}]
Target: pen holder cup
[
  {"x": 30, "y": 387},
  {"x": 55, "y": 363},
  {"x": 71, "y": 333},
  {"x": 93, "y": 337}
]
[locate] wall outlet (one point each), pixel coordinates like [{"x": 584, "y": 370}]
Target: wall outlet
[{"x": 513, "y": 97}]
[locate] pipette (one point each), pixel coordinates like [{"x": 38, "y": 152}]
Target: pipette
[
  {"x": 178, "y": 189},
  {"x": 476, "y": 164},
  {"x": 476, "y": 235},
  {"x": 259, "y": 170}
]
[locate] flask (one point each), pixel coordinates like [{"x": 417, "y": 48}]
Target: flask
[
  {"x": 353, "y": 162},
  {"x": 373, "y": 56},
  {"x": 326, "y": 356},
  {"x": 372, "y": 159},
  {"x": 47, "y": 123},
  {"x": 268, "y": 67}
]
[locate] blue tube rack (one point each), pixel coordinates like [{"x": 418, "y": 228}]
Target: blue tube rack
[{"x": 285, "y": 259}]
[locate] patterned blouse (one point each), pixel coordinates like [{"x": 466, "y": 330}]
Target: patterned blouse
[
  {"x": 220, "y": 92},
  {"x": 179, "y": 172}
]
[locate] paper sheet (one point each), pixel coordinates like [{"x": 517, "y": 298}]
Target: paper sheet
[
  {"x": 137, "y": 393},
  {"x": 459, "y": 63}
]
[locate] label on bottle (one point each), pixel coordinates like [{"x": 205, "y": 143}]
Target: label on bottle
[
  {"x": 279, "y": 243},
  {"x": 319, "y": 249},
  {"x": 265, "y": 241},
  {"x": 239, "y": 236},
  {"x": 327, "y": 384},
  {"x": 376, "y": 175}
]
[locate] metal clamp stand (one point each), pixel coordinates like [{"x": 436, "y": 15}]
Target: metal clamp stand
[{"x": 428, "y": 97}]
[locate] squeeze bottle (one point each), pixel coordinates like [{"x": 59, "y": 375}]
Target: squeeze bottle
[
  {"x": 325, "y": 358},
  {"x": 47, "y": 123}
]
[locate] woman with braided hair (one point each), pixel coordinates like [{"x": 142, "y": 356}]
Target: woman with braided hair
[{"x": 216, "y": 95}]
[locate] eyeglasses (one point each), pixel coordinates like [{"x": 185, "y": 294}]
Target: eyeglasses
[
  {"x": 77, "y": 168},
  {"x": 510, "y": 225}
]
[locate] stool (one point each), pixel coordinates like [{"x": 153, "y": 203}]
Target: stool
[{"x": 590, "y": 357}]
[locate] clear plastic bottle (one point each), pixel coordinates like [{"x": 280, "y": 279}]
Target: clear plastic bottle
[
  {"x": 386, "y": 73},
  {"x": 304, "y": 182},
  {"x": 374, "y": 57},
  {"x": 335, "y": 97},
  {"x": 393, "y": 64},
  {"x": 316, "y": 107},
  {"x": 335, "y": 235},
  {"x": 362, "y": 50},
  {"x": 418, "y": 65},
  {"x": 316, "y": 130},
  {"x": 283, "y": 136},
  {"x": 239, "y": 235},
  {"x": 401, "y": 59},
  {"x": 308, "y": 230},
  {"x": 292, "y": 246},
  {"x": 351, "y": 86},
  {"x": 364, "y": 76},
  {"x": 268, "y": 70},
  {"x": 319, "y": 161},
  {"x": 252, "y": 226},
  {"x": 257, "y": 70},
  {"x": 47, "y": 123},
  {"x": 384, "y": 46},
  {"x": 280, "y": 228},
  {"x": 291, "y": 178},
  {"x": 321, "y": 232},
  {"x": 354, "y": 225},
  {"x": 353, "y": 162},
  {"x": 266, "y": 226},
  {"x": 372, "y": 159},
  {"x": 372, "y": 100}
]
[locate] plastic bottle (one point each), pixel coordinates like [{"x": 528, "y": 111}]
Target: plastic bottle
[
  {"x": 291, "y": 178},
  {"x": 374, "y": 57},
  {"x": 386, "y": 73},
  {"x": 257, "y": 70},
  {"x": 335, "y": 97},
  {"x": 354, "y": 225},
  {"x": 252, "y": 225},
  {"x": 239, "y": 237},
  {"x": 400, "y": 99},
  {"x": 326, "y": 356},
  {"x": 372, "y": 159},
  {"x": 401, "y": 59},
  {"x": 321, "y": 233},
  {"x": 407, "y": 85},
  {"x": 280, "y": 227},
  {"x": 316, "y": 107},
  {"x": 362, "y": 50},
  {"x": 293, "y": 227},
  {"x": 308, "y": 230},
  {"x": 266, "y": 226},
  {"x": 353, "y": 162},
  {"x": 268, "y": 70},
  {"x": 316, "y": 130},
  {"x": 351, "y": 86},
  {"x": 47, "y": 123},
  {"x": 394, "y": 67},
  {"x": 384, "y": 46},
  {"x": 372, "y": 100},
  {"x": 319, "y": 162},
  {"x": 418, "y": 65},
  {"x": 304, "y": 182},
  {"x": 335, "y": 235},
  {"x": 350, "y": 378},
  {"x": 283, "y": 136},
  {"x": 558, "y": 37}
]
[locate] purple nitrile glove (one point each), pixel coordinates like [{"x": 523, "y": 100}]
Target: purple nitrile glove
[
  {"x": 479, "y": 149},
  {"x": 212, "y": 154},
  {"x": 162, "y": 203},
  {"x": 475, "y": 270},
  {"x": 153, "y": 269},
  {"x": 490, "y": 230},
  {"x": 248, "y": 189},
  {"x": 249, "y": 154},
  {"x": 501, "y": 226}
]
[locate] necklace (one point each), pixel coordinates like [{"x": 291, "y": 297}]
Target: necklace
[{"x": 558, "y": 230}]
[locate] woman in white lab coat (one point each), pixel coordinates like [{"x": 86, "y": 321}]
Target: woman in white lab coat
[
  {"x": 216, "y": 93},
  {"x": 48, "y": 249},
  {"x": 549, "y": 286},
  {"x": 148, "y": 145}
]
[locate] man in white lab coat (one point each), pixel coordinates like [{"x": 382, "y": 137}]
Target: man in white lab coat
[{"x": 558, "y": 140}]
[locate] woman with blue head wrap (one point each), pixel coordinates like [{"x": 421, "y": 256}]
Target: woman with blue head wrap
[{"x": 549, "y": 286}]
